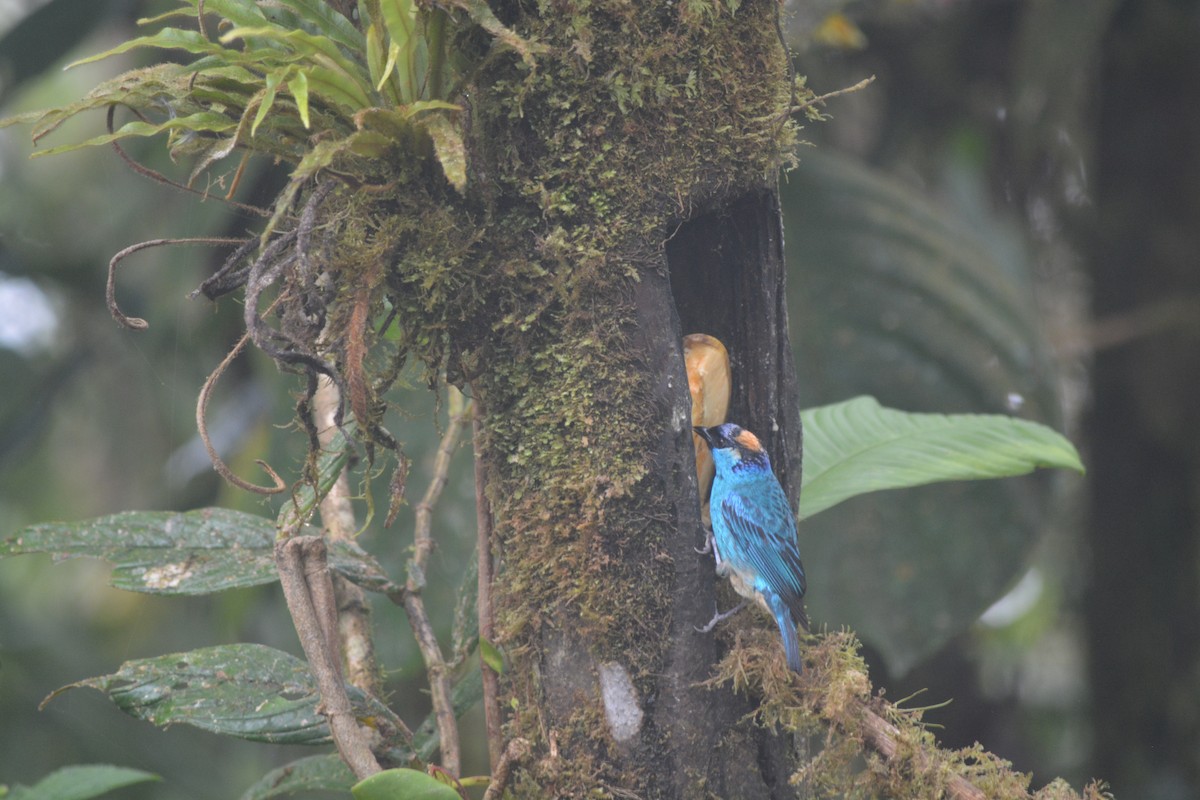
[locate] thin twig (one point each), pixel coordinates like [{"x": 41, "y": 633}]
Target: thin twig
[
  {"x": 414, "y": 605},
  {"x": 487, "y": 623},
  {"x": 304, "y": 574},
  {"x": 337, "y": 517},
  {"x": 830, "y": 95},
  {"x": 882, "y": 736},
  {"x": 517, "y": 751}
]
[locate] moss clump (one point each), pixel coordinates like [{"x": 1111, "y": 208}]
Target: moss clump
[{"x": 832, "y": 704}]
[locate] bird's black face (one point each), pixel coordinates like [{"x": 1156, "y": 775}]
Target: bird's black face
[{"x": 720, "y": 437}]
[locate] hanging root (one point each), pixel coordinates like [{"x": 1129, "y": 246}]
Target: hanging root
[
  {"x": 308, "y": 327},
  {"x": 202, "y": 426},
  {"x": 110, "y": 290}
]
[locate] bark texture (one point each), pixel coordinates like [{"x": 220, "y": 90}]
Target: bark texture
[{"x": 631, "y": 200}]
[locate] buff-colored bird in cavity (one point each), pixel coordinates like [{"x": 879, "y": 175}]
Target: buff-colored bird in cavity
[{"x": 707, "y": 364}]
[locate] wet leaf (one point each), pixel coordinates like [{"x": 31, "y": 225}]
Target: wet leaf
[
  {"x": 194, "y": 552},
  {"x": 312, "y": 773},
  {"x": 80, "y": 782},
  {"x": 163, "y": 552},
  {"x": 403, "y": 784},
  {"x": 248, "y": 691},
  {"x": 245, "y": 690},
  {"x": 483, "y": 16},
  {"x": 859, "y": 446}
]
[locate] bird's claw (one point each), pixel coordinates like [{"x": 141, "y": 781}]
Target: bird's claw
[
  {"x": 708, "y": 544},
  {"x": 719, "y": 617}
]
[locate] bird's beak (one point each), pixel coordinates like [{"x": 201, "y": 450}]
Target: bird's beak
[{"x": 704, "y": 434}]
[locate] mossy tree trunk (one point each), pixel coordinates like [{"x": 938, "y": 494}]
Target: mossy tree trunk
[{"x": 629, "y": 186}]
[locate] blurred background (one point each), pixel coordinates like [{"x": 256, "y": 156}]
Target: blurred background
[{"x": 1006, "y": 221}]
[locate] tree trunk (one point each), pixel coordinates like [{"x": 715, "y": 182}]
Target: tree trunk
[
  {"x": 631, "y": 201},
  {"x": 1144, "y": 468}
]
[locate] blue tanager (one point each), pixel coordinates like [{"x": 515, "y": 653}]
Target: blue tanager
[{"x": 754, "y": 533}]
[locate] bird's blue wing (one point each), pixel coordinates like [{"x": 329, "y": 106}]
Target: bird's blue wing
[{"x": 762, "y": 540}]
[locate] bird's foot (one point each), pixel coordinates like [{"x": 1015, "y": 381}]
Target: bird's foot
[
  {"x": 708, "y": 544},
  {"x": 720, "y": 617}
]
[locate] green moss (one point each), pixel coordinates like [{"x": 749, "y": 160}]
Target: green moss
[
  {"x": 637, "y": 116},
  {"x": 833, "y": 706}
]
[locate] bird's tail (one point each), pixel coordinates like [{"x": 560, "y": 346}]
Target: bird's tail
[{"x": 787, "y": 630}]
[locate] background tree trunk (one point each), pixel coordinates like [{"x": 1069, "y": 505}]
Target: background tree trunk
[{"x": 1144, "y": 468}]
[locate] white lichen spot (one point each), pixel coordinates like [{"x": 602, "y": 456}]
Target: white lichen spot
[
  {"x": 621, "y": 704},
  {"x": 168, "y": 576},
  {"x": 681, "y": 419}
]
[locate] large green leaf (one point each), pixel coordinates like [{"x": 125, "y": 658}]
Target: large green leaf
[
  {"x": 895, "y": 297},
  {"x": 859, "y": 446},
  {"x": 194, "y": 552},
  {"x": 403, "y": 784},
  {"x": 249, "y": 691},
  {"x": 80, "y": 782},
  {"x": 305, "y": 774}
]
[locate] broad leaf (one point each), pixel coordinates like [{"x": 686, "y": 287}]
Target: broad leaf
[
  {"x": 249, "y": 691},
  {"x": 81, "y": 782},
  {"x": 894, "y": 297},
  {"x": 195, "y": 552},
  {"x": 859, "y": 446},
  {"x": 308, "y": 774},
  {"x": 403, "y": 784}
]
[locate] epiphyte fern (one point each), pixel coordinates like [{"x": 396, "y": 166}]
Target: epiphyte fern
[{"x": 296, "y": 80}]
